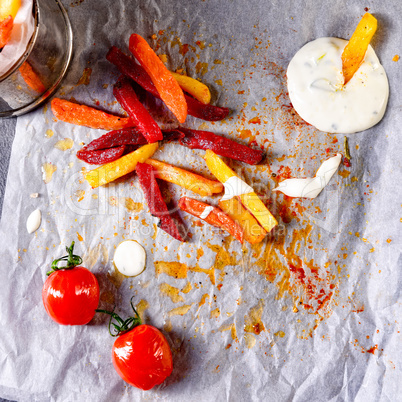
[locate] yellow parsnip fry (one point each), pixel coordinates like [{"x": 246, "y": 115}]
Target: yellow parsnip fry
[
  {"x": 252, "y": 231},
  {"x": 120, "y": 167},
  {"x": 191, "y": 181},
  {"x": 355, "y": 50},
  {"x": 250, "y": 200},
  {"x": 195, "y": 88}
]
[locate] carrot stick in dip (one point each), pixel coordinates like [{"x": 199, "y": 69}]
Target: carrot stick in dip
[
  {"x": 6, "y": 27},
  {"x": 355, "y": 50},
  {"x": 87, "y": 116},
  {"x": 168, "y": 88},
  {"x": 212, "y": 215}
]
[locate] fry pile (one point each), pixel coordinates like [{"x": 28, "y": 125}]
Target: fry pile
[{"x": 133, "y": 140}]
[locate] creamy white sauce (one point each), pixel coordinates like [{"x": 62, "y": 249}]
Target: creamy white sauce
[
  {"x": 235, "y": 187},
  {"x": 206, "y": 212},
  {"x": 34, "y": 220},
  {"x": 311, "y": 187},
  {"x": 129, "y": 258},
  {"x": 316, "y": 90}
]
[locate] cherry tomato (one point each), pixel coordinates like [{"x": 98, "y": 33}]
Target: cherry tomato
[
  {"x": 70, "y": 294},
  {"x": 142, "y": 357},
  {"x": 141, "y": 354}
]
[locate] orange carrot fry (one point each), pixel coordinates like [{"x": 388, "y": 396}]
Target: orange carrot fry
[
  {"x": 6, "y": 27},
  {"x": 167, "y": 87},
  {"x": 191, "y": 181},
  {"x": 87, "y": 116},
  {"x": 31, "y": 78},
  {"x": 355, "y": 50},
  {"x": 212, "y": 215}
]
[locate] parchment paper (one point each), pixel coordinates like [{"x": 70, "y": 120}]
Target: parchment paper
[{"x": 312, "y": 314}]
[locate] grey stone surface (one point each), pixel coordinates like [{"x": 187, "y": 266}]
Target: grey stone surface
[{"x": 7, "y": 132}]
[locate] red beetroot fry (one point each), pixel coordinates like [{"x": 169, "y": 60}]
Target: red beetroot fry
[
  {"x": 100, "y": 157},
  {"x": 172, "y": 135},
  {"x": 205, "y": 112},
  {"x": 216, "y": 216},
  {"x": 126, "y": 96},
  {"x": 154, "y": 199},
  {"x": 116, "y": 138},
  {"x": 196, "y": 139},
  {"x": 130, "y": 68}
]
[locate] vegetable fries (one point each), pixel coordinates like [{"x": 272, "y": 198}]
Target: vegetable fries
[
  {"x": 6, "y": 27},
  {"x": 128, "y": 67},
  {"x": 195, "y": 88},
  {"x": 252, "y": 231},
  {"x": 126, "y": 96},
  {"x": 120, "y": 167},
  {"x": 355, "y": 50},
  {"x": 183, "y": 178},
  {"x": 87, "y": 116},
  {"x": 156, "y": 204},
  {"x": 31, "y": 78},
  {"x": 168, "y": 88},
  {"x": 250, "y": 200},
  {"x": 214, "y": 216}
]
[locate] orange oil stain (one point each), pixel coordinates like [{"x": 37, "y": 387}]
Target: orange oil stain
[
  {"x": 141, "y": 307},
  {"x": 48, "y": 170},
  {"x": 85, "y": 77},
  {"x": 201, "y": 68},
  {"x": 80, "y": 195},
  {"x": 182, "y": 310},
  {"x": 132, "y": 206},
  {"x": 79, "y": 237},
  {"x": 187, "y": 288},
  {"x": 203, "y": 299},
  {"x": 344, "y": 173},
  {"x": 252, "y": 321},
  {"x": 64, "y": 145},
  {"x": 49, "y": 133},
  {"x": 231, "y": 328},
  {"x": 171, "y": 292}
]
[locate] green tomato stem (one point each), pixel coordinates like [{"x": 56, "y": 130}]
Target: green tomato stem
[
  {"x": 122, "y": 325},
  {"x": 71, "y": 259}
]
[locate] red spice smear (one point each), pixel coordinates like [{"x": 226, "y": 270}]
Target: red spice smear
[
  {"x": 156, "y": 204},
  {"x": 372, "y": 350}
]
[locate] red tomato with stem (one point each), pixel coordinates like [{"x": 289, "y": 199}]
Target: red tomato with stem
[
  {"x": 71, "y": 293},
  {"x": 141, "y": 354}
]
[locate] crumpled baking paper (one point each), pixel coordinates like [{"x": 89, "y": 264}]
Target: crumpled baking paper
[
  {"x": 23, "y": 29},
  {"x": 310, "y": 314}
]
